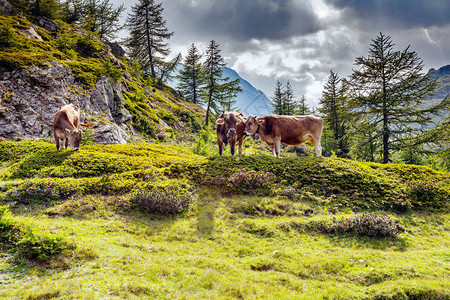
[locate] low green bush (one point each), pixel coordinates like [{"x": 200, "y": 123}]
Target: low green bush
[
  {"x": 370, "y": 225},
  {"x": 163, "y": 200},
  {"x": 27, "y": 241},
  {"x": 248, "y": 180},
  {"x": 426, "y": 194},
  {"x": 9, "y": 230},
  {"x": 37, "y": 245}
]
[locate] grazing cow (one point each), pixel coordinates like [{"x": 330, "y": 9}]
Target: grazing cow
[
  {"x": 230, "y": 130},
  {"x": 66, "y": 127},
  {"x": 289, "y": 130}
]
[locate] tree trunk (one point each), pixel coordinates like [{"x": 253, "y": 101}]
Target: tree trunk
[{"x": 208, "y": 108}]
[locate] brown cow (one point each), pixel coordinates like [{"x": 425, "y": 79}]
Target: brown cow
[
  {"x": 66, "y": 127},
  {"x": 230, "y": 130},
  {"x": 289, "y": 130}
]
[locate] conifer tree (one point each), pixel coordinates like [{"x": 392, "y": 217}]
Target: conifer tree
[
  {"x": 220, "y": 91},
  {"x": 38, "y": 8},
  {"x": 148, "y": 35},
  {"x": 335, "y": 112},
  {"x": 191, "y": 79},
  {"x": 97, "y": 16},
  {"x": 288, "y": 97},
  {"x": 302, "y": 108},
  {"x": 391, "y": 89},
  {"x": 278, "y": 99}
]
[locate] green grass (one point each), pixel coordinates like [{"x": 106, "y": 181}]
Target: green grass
[{"x": 264, "y": 242}]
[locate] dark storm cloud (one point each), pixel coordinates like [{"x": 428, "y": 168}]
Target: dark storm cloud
[
  {"x": 395, "y": 13},
  {"x": 246, "y": 19}
]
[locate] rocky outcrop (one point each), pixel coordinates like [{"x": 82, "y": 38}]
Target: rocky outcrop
[
  {"x": 47, "y": 23},
  {"x": 29, "y": 99},
  {"x": 7, "y": 9}
]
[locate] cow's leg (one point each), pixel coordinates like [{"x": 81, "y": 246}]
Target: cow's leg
[
  {"x": 241, "y": 141},
  {"x": 56, "y": 141},
  {"x": 232, "y": 145},
  {"x": 66, "y": 143},
  {"x": 316, "y": 142},
  {"x": 277, "y": 146},
  {"x": 220, "y": 143}
]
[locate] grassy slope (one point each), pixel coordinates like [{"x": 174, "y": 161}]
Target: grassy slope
[{"x": 257, "y": 242}]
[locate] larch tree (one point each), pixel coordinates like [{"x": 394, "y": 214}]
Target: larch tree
[
  {"x": 148, "y": 36},
  {"x": 191, "y": 79},
  {"x": 334, "y": 110},
  {"x": 302, "y": 108},
  {"x": 289, "y": 101},
  {"x": 278, "y": 99},
  {"x": 391, "y": 89},
  {"x": 219, "y": 91}
]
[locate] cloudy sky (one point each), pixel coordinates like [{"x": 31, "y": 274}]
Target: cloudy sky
[{"x": 302, "y": 40}]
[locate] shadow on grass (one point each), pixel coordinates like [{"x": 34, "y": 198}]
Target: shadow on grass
[
  {"x": 360, "y": 242},
  {"x": 206, "y": 206}
]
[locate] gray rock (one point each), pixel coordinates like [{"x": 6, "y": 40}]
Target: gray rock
[
  {"x": 7, "y": 9},
  {"x": 47, "y": 23},
  {"x": 29, "y": 100}
]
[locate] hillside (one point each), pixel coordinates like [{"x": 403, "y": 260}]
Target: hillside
[
  {"x": 152, "y": 221},
  {"x": 443, "y": 76},
  {"x": 43, "y": 67}
]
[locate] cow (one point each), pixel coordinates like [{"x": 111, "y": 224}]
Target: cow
[
  {"x": 289, "y": 130},
  {"x": 230, "y": 130},
  {"x": 66, "y": 127}
]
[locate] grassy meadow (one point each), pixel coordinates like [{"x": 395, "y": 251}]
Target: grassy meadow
[{"x": 153, "y": 221}]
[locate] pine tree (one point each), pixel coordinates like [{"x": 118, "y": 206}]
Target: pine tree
[
  {"x": 390, "y": 87},
  {"x": 228, "y": 92},
  {"x": 289, "y": 102},
  {"x": 219, "y": 91},
  {"x": 38, "y": 8},
  {"x": 278, "y": 99},
  {"x": 302, "y": 108},
  {"x": 190, "y": 77},
  {"x": 98, "y": 16},
  {"x": 148, "y": 33},
  {"x": 166, "y": 68},
  {"x": 335, "y": 111}
]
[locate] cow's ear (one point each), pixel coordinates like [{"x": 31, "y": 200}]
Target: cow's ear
[
  {"x": 220, "y": 121},
  {"x": 259, "y": 121}
]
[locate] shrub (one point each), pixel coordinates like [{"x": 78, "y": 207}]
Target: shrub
[
  {"x": 370, "y": 225},
  {"x": 251, "y": 180},
  {"x": 204, "y": 144},
  {"x": 27, "y": 241},
  {"x": 39, "y": 245},
  {"x": 34, "y": 191},
  {"x": 9, "y": 231},
  {"x": 8, "y": 37},
  {"x": 163, "y": 200},
  {"x": 426, "y": 194}
]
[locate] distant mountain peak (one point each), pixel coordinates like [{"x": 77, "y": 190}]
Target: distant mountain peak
[{"x": 252, "y": 100}]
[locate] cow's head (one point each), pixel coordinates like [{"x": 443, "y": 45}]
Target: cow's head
[
  {"x": 229, "y": 121},
  {"x": 252, "y": 125},
  {"x": 74, "y": 137}
]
